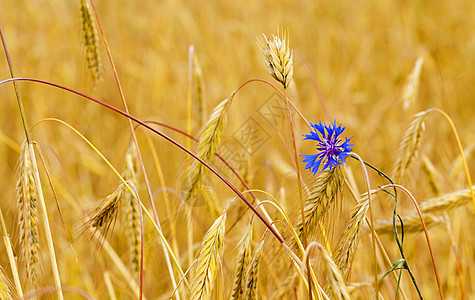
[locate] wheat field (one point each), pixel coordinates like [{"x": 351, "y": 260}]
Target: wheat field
[{"x": 168, "y": 149}]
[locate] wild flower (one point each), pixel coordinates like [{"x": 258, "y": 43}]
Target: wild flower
[{"x": 333, "y": 151}]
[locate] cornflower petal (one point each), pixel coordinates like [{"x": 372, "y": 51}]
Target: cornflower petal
[{"x": 332, "y": 150}]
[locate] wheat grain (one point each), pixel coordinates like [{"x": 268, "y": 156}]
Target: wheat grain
[
  {"x": 279, "y": 58},
  {"x": 410, "y": 143},
  {"x": 209, "y": 260},
  {"x": 90, "y": 41},
  {"x": 27, "y": 198}
]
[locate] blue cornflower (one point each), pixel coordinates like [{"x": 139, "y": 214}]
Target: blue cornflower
[{"x": 333, "y": 151}]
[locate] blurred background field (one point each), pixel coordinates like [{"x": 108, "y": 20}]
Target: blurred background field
[{"x": 360, "y": 54}]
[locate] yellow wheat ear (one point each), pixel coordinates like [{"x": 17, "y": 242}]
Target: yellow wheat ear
[
  {"x": 90, "y": 41},
  {"x": 27, "y": 203},
  {"x": 279, "y": 57}
]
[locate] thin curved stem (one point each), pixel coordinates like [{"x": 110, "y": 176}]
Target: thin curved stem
[
  {"x": 169, "y": 139},
  {"x": 434, "y": 265},
  {"x": 459, "y": 144}
]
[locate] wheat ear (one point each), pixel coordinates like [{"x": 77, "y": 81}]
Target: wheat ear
[
  {"x": 411, "y": 88},
  {"x": 279, "y": 57},
  {"x": 198, "y": 92},
  {"x": 90, "y": 41},
  {"x": 347, "y": 246},
  {"x": 209, "y": 260},
  {"x": 210, "y": 140},
  {"x": 324, "y": 192},
  {"x": 252, "y": 273},
  {"x": 337, "y": 287},
  {"x": 410, "y": 143},
  {"x": 132, "y": 209},
  {"x": 446, "y": 202},
  {"x": 243, "y": 262},
  {"x": 412, "y": 224},
  {"x": 27, "y": 199},
  {"x": 105, "y": 215}
]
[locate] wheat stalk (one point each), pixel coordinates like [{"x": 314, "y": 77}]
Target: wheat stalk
[
  {"x": 347, "y": 246},
  {"x": 279, "y": 57},
  {"x": 410, "y": 143},
  {"x": 412, "y": 224},
  {"x": 252, "y": 273},
  {"x": 243, "y": 262},
  {"x": 323, "y": 194},
  {"x": 209, "y": 260},
  {"x": 90, "y": 41},
  {"x": 27, "y": 199}
]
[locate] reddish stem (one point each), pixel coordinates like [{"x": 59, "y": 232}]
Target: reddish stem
[{"x": 169, "y": 139}]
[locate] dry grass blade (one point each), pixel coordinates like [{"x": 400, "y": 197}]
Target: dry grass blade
[
  {"x": 210, "y": 140},
  {"x": 411, "y": 88},
  {"x": 446, "y": 202},
  {"x": 349, "y": 243},
  {"x": 132, "y": 209},
  {"x": 90, "y": 41},
  {"x": 323, "y": 194},
  {"x": 252, "y": 273},
  {"x": 106, "y": 214},
  {"x": 279, "y": 58},
  {"x": 410, "y": 143},
  {"x": 337, "y": 288},
  {"x": 209, "y": 260},
  {"x": 243, "y": 262},
  {"x": 27, "y": 203},
  {"x": 412, "y": 224}
]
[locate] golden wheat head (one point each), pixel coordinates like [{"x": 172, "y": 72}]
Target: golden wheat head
[
  {"x": 348, "y": 244},
  {"x": 210, "y": 139},
  {"x": 411, "y": 142},
  {"x": 279, "y": 58},
  {"x": 132, "y": 209},
  {"x": 90, "y": 41},
  {"x": 27, "y": 203},
  {"x": 209, "y": 260},
  {"x": 106, "y": 214},
  {"x": 323, "y": 194},
  {"x": 243, "y": 262}
]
